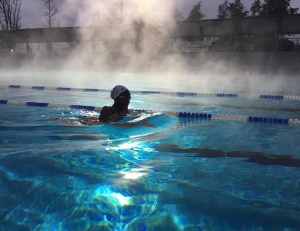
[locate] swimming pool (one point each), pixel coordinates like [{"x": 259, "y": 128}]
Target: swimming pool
[{"x": 187, "y": 174}]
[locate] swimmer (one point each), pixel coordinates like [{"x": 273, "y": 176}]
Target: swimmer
[
  {"x": 111, "y": 114},
  {"x": 121, "y": 97}
]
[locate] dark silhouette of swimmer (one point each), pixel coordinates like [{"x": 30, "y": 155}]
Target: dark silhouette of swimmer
[
  {"x": 109, "y": 114},
  {"x": 121, "y": 97}
]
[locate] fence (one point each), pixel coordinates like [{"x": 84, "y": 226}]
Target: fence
[{"x": 41, "y": 49}]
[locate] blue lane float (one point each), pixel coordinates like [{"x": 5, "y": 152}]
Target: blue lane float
[
  {"x": 221, "y": 95},
  {"x": 149, "y": 92},
  {"x": 255, "y": 119},
  {"x": 176, "y": 94},
  {"x": 186, "y": 94},
  {"x": 38, "y": 88},
  {"x": 63, "y": 89},
  {"x": 3, "y": 101},
  {"x": 90, "y": 89},
  {"x": 36, "y": 104},
  {"x": 194, "y": 115},
  {"x": 274, "y": 97},
  {"x": 89, "y": 108},
  {"x": 181, "y": 115},
  {"x": 14, "y": 86}
]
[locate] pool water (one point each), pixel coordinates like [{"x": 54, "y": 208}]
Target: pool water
[{"x": 185, "y": 174}]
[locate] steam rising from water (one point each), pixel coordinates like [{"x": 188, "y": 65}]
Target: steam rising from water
[
  {"x": 88, "y": 11},
  {"x": 140, "y": 44},
  {"x": 132, "y": 38}
]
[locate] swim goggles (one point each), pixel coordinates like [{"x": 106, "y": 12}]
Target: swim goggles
[{"x": 127, "y": 99}]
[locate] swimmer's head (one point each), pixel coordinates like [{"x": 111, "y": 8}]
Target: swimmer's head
[
  {"x": 121, "y": 95},
  {"x": 117, "y": 90}
]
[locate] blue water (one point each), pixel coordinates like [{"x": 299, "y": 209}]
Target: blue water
[{"x": 185, "y": 174}]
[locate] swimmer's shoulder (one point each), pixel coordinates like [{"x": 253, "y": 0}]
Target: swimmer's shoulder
[
  {"x": 106, "y": 109},
  {"x": 105, "y": 114}
]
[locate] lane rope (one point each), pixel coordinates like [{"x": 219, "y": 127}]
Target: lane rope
[
  {"x": 182, "y": 115},
  {"x": 178, "y": 94}
]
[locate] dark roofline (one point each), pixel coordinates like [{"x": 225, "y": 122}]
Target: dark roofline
[{"x": 282, "y": 24}]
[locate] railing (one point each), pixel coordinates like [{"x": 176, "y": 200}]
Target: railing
[
  {"x": 296, "y": 42},
  {"x": 41, "y": 49}
]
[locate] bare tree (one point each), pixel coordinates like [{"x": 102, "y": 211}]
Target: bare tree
[
  {"x": 50, "y": 12},
  {"x": 10, "y": 14}
]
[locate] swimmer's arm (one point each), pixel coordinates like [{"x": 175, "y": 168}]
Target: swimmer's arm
[
  {"x": 92, "y": 120},
  {"x": 144, "y": 123}
]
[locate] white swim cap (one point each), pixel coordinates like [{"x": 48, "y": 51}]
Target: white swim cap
[{"x": 117, "y": 90}]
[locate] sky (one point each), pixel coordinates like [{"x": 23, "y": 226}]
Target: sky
[{"x": 83, "y": 13}]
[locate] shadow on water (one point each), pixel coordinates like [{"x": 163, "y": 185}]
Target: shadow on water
[
  {"x": 239, "y": 215},
  {"x": 79, "y": 137},
  {"x": 256, "y": 157},
  {"x": 236, "y": 211}
]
